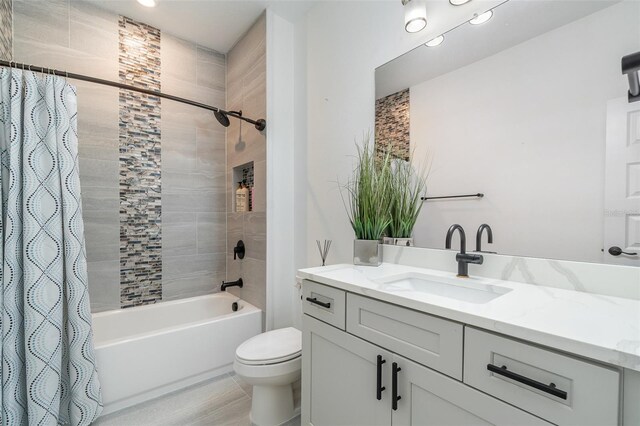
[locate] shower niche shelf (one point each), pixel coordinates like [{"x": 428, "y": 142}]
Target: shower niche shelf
[{"x": 242, "y": 201}]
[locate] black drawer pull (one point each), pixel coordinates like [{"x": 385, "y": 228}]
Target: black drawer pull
[
  {"x": 550, "y": 388},
  {"x": 394, "y": 386},
  {"x": 379, "y": 387},
  {"x": 319, "y": 303}
]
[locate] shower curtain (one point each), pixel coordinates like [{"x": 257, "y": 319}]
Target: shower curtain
[{"x": 48, "y": 365}]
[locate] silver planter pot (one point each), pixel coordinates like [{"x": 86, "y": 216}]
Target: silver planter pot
[{"x": 367, "y": 252}]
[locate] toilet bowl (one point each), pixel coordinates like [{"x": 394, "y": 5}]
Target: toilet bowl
[{"x": 271, "y": 362}]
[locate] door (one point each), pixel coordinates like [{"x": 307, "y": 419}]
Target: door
[
  {"x": 339, "y": 378},
  {"x": 430, "y": 398},
  {"x": 622, "y": 184}
]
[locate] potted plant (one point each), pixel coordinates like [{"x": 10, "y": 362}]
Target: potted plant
[
  {"x": 406, "y": 188},
  {"x": 367, "y": 204}
]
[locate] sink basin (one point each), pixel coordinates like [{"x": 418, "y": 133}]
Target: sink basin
[{"x": 462, "y": 289}]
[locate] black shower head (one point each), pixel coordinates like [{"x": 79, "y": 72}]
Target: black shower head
[{"x": 222, "y": 118}]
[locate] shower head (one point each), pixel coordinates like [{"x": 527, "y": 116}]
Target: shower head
[{"x": 222, "y": 118}]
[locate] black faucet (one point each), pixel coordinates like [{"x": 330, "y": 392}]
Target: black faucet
[
  {"x": 238, "y": 283},
  {"x": 479, "y": 238},
  {"x": 462, "y": 258}
]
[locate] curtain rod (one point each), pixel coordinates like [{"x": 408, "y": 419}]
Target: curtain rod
[{"x": 220, "y": 114}]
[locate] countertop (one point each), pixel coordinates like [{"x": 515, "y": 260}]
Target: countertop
[{"x": 603, "y": 328}]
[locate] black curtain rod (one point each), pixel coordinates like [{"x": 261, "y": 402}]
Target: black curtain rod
[
  {"x": 260, "y": 124},
  {"x": 478, "y": 195}
]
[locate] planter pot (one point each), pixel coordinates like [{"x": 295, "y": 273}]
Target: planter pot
[
  {"x": 406, "y": 242},
  {"x": 388, "y": 240},
  {"x": 367, "y": 252}
]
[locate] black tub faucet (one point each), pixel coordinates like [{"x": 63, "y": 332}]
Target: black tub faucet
[
  {"x": 237, "y": 283},
  {"x": 479, "y": 237},
  {"x": 462, "y": 258}
]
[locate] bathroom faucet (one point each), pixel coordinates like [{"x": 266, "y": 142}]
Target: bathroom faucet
[
  {"x": 238, "y": 283},
  {"x": 479, "y": 238},
  {"x": 462, "y": 258}
]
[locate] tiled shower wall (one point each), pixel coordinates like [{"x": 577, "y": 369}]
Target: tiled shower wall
[
  {"x": 6, "y": 30},
  {"x": 392, "y": 124},
  {"x": 246, "y": 91},
  {"x": 175, "y": 155}
]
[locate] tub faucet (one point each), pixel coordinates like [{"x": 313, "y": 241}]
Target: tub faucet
[
  {"x": 479, "y": 238},
  {"x": 238, "y": 283},
  {"x": 462, "y": 258}
]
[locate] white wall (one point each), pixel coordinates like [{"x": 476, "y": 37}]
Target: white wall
[
  {"x": 345, "y": 42},
  {"x": 527, "y": 128},
  {"x": 281, "y": 297}
]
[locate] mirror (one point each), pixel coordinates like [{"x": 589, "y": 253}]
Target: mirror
[{"x": 531, "y": 110}]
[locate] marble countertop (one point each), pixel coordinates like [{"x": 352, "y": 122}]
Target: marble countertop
[{"x": 603, "y": 328}]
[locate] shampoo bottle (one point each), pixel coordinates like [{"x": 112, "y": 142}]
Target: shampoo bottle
[
  {"x": 245, "y": 197},
  {"x": 240, "y": 202}
]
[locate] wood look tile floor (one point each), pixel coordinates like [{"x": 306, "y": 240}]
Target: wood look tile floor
[{"x": 225, "y": 400}]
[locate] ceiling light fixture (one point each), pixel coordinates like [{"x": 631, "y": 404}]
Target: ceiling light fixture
[
  {"x": 458, "y": 2},
  {"x": 482, "y": 18},
  {"x": 148, "y": 3},
  {"x": 415, "y": 15},
  {"x": 435, "y": 42}
]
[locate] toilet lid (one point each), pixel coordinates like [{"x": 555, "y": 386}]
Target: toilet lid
[{"x": 271, "y": 347}]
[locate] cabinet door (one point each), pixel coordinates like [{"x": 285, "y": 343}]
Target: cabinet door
[
  {"x": 339, "y": 378},
  {"x": 430, "y": 398}
]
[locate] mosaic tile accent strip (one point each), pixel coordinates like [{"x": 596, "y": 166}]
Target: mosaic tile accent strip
[
  {"x": 6, "y": 30},
  {"x": 140, "y": 176},
  {"x": 392, "y": 125},
  {"x": 247, "y": 178}
]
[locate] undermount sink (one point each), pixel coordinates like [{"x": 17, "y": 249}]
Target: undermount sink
[{"x": 462, "y": 289}]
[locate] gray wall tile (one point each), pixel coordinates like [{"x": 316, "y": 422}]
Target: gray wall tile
[
  {"x": 179, "y": 235},
  {"x": 102, "y": 230},
  {"x": 104, "y": 285},
  {"x": 212, "y": 232},
  {"x": 246, "y": 90}
]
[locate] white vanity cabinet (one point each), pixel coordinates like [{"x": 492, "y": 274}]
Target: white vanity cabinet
[
  {"x": 388, "y": 365},
  {"x": 341, "y": 387}
]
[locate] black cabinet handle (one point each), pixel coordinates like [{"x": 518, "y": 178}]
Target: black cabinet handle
[
  {"x": 319, "y": 303},
  {"x": 394, "y": 386},
  {"x": 617, "y": 251},
  {"x": 550, "y": 388},
  {"x": 379, "y": 387}
]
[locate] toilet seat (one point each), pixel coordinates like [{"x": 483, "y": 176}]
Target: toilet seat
[{"x": 272, "y": 347}]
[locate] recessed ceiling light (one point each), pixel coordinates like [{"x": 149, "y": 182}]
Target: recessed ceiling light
[
  {"x": 482, "y": 18},
  {"x": 415, "y": 15},
  {"x": 434, "y": 42},
  {"x": 148, "y": 3},
  {"x": 458, "y": 2}
]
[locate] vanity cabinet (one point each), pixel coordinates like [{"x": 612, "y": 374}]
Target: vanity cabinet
[
  {"x": 389, "y": 365},
  {"x": 341, "y": 387}
]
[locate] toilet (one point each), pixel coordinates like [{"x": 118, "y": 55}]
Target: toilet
[{"x": 271, "y": 362}]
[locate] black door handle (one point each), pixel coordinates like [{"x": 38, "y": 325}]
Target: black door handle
[
  {"x": 550, "y": 388},
  {"x": 394, "y": 386},
  {"x": 319, "y": 303},
  {"x": 379, "y": 387},
  {"x": 617, "y": 251}
]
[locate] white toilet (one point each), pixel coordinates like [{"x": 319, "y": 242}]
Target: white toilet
[{"x": 271, "y": 363}]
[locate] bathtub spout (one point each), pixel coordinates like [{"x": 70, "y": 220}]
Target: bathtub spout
[{"x": 238, "y": 283}]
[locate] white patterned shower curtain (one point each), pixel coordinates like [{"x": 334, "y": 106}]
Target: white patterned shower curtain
[{"x": 48, "y": 365}]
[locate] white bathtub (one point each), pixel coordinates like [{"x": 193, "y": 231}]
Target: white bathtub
[{"x": 151, "y": 350}]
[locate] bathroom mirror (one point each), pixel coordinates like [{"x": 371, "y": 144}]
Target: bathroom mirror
[{"x": 530, "y": 109}]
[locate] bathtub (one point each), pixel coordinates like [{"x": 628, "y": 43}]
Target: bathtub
[{"x": 147, "y": 351}]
